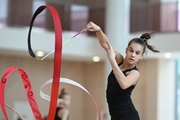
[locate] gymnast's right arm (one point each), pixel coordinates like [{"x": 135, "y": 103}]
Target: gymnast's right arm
[{"x": 103, "y": 39}]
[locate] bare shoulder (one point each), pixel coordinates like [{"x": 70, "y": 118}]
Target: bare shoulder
[
  {"x": 133, "y": 76},
  {"x": 133, "y": 72},
  {"x": 136, "y": 72},
  {"x": 63, "y": 112},
  {"x": 119, "y": 58}
]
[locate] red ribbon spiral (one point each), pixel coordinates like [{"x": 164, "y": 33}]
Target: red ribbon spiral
[
  {"x": 27, "y": 87},
  {"x": 57, "y": 55}
]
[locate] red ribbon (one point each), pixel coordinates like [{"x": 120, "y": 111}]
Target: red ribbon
[
  {"x": 57, "y": 66},
  {"x": 57, "y": 56},
  {"x": 56, "y": 73},
  {"x": 27, "y": 87}
]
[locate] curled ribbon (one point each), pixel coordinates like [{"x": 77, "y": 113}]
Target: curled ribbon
[
  {"x": 57, "y": 62},
  {"x": 71, "y": 82},
  {"x": 56, "y": 73},
  {"x": 27, "y": 87},
  {"x": 57, "y": 55}
]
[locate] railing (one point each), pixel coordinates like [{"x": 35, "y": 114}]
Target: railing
[
  {"x": 15, "y": 13},
  {"x": 159, "y": 17},
  {"x": 143, "y": 16}
]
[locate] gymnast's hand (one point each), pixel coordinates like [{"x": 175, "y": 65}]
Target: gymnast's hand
[{"x": 92, "y": 27}]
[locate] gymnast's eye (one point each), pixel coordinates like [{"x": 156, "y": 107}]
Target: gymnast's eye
[
  {"x": 137, "y": 53},
  {"x": 131, "y": 50}
]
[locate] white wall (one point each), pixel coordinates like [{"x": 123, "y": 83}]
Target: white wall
[
  {"x": 80, "y": 48},
  {"x": 154, "y": 95},
  {"x": 166, "y": 90}
]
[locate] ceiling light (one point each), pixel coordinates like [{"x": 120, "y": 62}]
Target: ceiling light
[
  {"x": 39, "y": 53},
  {"x": 167, "y": 55},
  {"x": 96, "y": 59}
]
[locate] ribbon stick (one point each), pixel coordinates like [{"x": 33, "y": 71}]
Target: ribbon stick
[
  {"x": 27, "y": 87},
  {"x": 63, "y": 44},
  {"x": 57, "y": 55},
  {"x": 71, "y": 82},
  {"x": 14, "y": 111}
]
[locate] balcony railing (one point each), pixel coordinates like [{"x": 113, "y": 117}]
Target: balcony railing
[
  {"x": 143, "y": 16},
  {"x": 159, "y": 17}
]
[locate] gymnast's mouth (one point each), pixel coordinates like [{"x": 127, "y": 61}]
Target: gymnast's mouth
[{"x": 131, "y": 59}]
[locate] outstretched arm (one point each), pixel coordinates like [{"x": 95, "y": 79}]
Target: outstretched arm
[
  {"x": 103, "y": 39},
  {"x": 124, "y": 81}
]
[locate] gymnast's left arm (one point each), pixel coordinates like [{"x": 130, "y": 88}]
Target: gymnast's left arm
[{"x": 124, "y": 81}]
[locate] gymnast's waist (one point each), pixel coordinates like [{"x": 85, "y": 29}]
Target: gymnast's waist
[
  {"x": 122, "y": 108},
  {"x": 117, "y": 96}
]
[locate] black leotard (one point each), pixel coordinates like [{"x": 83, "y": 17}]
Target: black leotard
[
  {"x": 119, "y": 100},
  {"x": 56, "y": 115}
]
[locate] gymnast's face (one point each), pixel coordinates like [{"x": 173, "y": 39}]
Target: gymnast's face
[
  {"x": 66, "y": 100},
  {"x": 134, "y": 52}
]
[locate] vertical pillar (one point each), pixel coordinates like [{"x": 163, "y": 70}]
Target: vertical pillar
[
  {"x": 166, "y": 90},
  {"x": 117, "y": 26},
  {"x": 117, "y": 23},
  {"x": 19, "y": 12}
]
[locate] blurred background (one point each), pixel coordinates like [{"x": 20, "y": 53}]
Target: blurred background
[{"x": 157, "y": 94}]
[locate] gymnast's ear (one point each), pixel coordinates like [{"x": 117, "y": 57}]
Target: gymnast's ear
[
  {"x": 142, "y": 56},
  {"x": 126, "y": 50}
]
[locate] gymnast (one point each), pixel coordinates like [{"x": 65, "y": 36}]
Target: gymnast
[
  {"x": 124, "y": 75},
  {"x": 62, "y": 112}
]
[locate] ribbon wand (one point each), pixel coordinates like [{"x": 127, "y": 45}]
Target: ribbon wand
[
  {"x": 14, "y": 111},
  {"x": 63, "y": 43}
]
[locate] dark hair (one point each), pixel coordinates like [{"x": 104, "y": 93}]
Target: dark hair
[
  {"x": 62, "y": 94},
  {"x": 45, "y": 117},
  {"x": 143, "y": 40}
]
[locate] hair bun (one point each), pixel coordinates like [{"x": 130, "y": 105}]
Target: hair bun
[
  {"x": 63, "y": 91},
  {"x": 145, "y": 36}
]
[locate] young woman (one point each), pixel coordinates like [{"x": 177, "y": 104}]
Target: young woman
[
  {"x": 62, "y": 112},
  {"x": 124, "y": 75}
]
